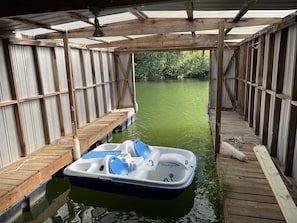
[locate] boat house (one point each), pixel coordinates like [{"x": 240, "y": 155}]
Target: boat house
[{"x": 67, "y": 83}]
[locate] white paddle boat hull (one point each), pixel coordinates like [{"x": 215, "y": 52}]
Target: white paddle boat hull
[{"x": 135, "y": 168}]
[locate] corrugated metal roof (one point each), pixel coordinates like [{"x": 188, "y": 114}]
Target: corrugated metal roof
[{"x": 79, "y": 23}]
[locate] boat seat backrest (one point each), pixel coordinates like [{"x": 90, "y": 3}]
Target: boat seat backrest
[
  {"x": 141, "y": 149},
  {"x": 117, "y": 166}
]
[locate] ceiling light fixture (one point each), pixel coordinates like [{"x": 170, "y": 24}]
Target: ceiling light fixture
[{"x": 98, "y": 29}]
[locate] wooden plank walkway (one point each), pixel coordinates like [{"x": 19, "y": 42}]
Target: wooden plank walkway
[
  {"x": 247, "y": 195},
  {"x": 22, "y": 177}
]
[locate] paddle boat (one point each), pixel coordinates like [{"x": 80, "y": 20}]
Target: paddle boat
[{"x": 135, "y": 168}]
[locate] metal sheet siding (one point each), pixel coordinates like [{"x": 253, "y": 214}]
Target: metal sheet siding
[
  {"x": 290, "y": 60},
  {"x": 283, "y": 131},
  {"x": 275, "y": 60},
  {"x": 4, "y": 79},
  {"x": 61, "y": 66},
  {"x": 9, "y": 146},
  {"x": 24, "y": 69},
  {"x": 80, "y": 108},
  {"x": 53, "y": 118},
  {"x": 100, "y": 100},
  {"x": 33, "y": 125},
  {"x": 46, "y": 69},
  {"x": 66, "y": 113}
]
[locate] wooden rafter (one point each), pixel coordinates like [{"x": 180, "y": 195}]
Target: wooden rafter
[
  {"x": 139, "y": 14},
  {"x": 166, "y": 40},
  {"x": 189, "y": 8},
  {"x": 161, "y": 26},
  {"x": 80, "y": 17},
  {"x": 241, "y": 13},
  {"x": 35, "y": 24}
]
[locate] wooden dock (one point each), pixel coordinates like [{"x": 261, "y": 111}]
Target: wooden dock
[
  {"x": 19, "y": 180},
  {"x": 247, "y": 195}
]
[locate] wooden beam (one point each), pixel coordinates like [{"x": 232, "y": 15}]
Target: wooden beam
[
  {"x": 103, "y": 81},
  {"x": 34, "y": 23},
  {"x": 220, "y": 58},
  {"x": 94, "y": 81},
  {"x": 291, "y": 142},
  {"x": 70, "y": 83},
  {"x": 80, "y": 17},
  {"x": 58, "y": 89},
  {"x": 189, "y": 8},
  {"x": 139, "y": 14},
  {"x": 160, "y": 26},
  {"x": 278, "y": 187},
  {"x": 242, "y": 11},
  {"x": 279, "y": 89},
  {"x": 15, "y": 95},
  {"x": 166, "y": 40}
]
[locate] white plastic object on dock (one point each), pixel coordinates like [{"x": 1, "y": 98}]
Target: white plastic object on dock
[
  {"x": 76, "y": 148},
  {"x": 234, "y": 152}
]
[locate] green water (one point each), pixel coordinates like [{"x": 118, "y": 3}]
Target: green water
[{"x": 173, "y": 114}]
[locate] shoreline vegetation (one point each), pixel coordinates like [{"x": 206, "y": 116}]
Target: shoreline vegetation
[{"x": 153, "y": 66}]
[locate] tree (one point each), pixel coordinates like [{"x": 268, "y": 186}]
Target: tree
[{"x": 171, "y": 65}]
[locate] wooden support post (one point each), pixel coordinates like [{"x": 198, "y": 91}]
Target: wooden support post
[
  {"x": 219, "y": 87},
  {"x": 71, "y": 92},
  {"x": 291, "y": 143},
  {"x": 110, "y": 77},
  {"x": 15, "y": 95},
  {"x": 58, "y": 89},
  {"x": 103, "y": 82},
  {"x": 94, "y": 79},
  {"x": 42, "y": 100},
  {"x": 279, "y": 89}
]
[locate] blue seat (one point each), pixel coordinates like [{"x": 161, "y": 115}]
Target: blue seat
[
  {"x": 100, "y": 154},
  {"x": 141, "y": 149},
  {"x": 117, "y": 166}
]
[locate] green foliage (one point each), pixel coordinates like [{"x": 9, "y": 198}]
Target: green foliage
[{"x": 172, "y": 65}]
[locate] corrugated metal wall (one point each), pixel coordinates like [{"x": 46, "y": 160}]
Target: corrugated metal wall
[
  {"x": 34, "y": 99},
  {"x": 229, "y": 68},
  {"x": 265, "y": 88}
]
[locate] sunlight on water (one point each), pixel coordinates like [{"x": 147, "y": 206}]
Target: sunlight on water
[{"x": 173, "y": 114}]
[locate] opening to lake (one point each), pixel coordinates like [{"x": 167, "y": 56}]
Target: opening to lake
[{"x": 172, "y": 114}]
